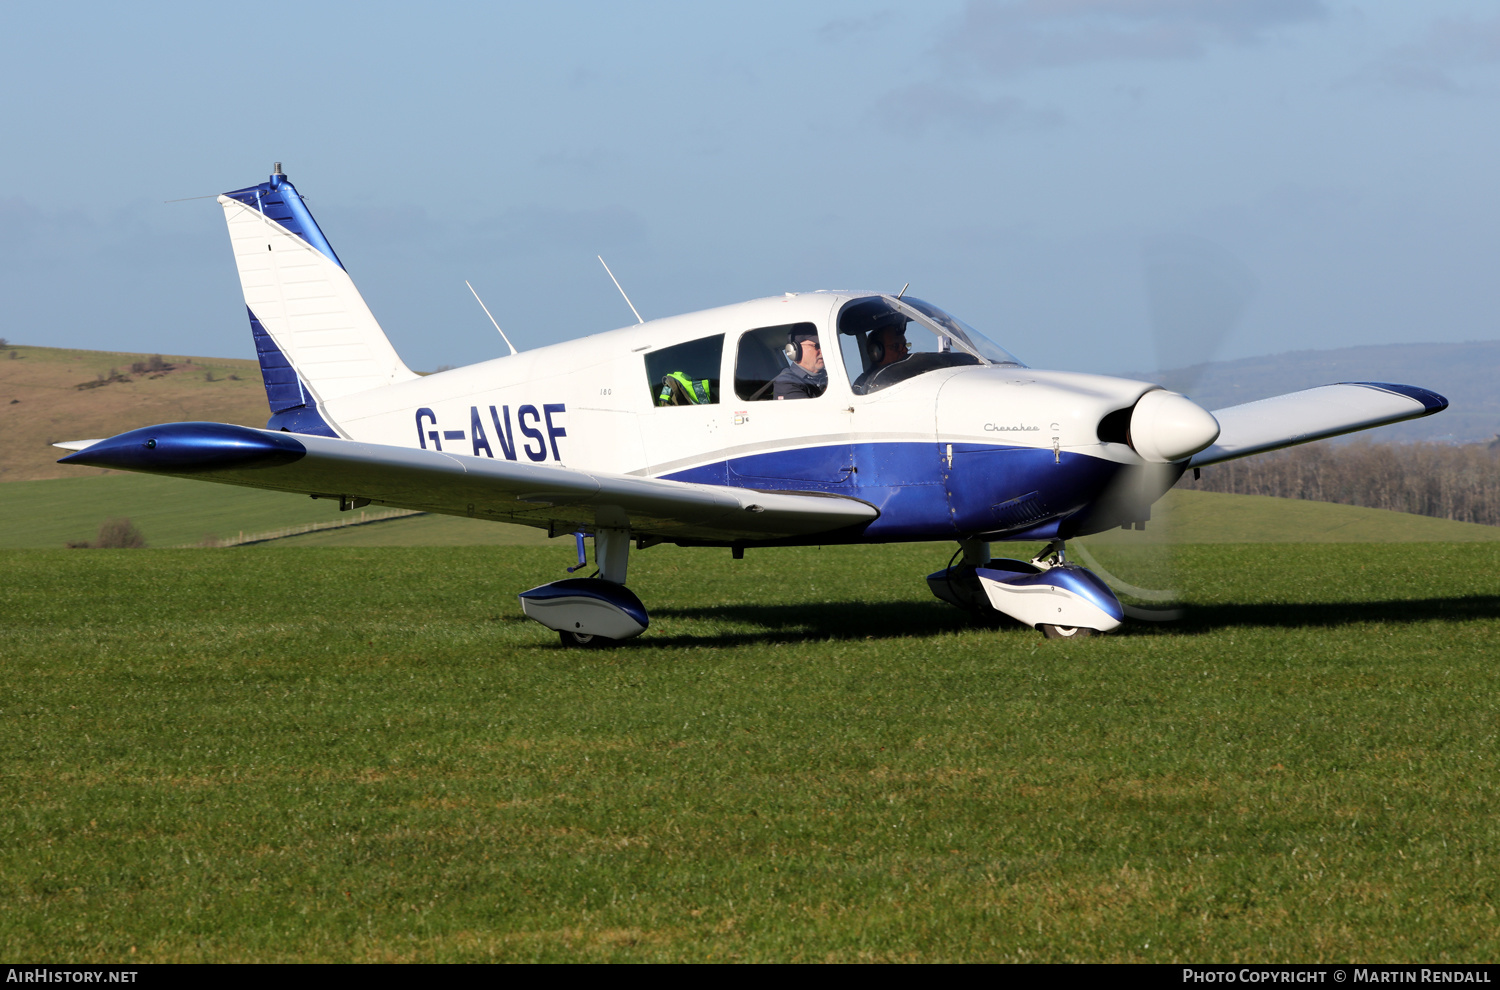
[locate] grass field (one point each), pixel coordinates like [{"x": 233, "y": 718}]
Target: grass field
[
  {"x": 367, "y": 754},
  {"x": 174, "y": 512}
]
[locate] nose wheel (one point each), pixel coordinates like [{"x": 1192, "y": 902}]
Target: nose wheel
[
  {"x": 585, "y": 641},
  {"x": 1065, "y": 632}
]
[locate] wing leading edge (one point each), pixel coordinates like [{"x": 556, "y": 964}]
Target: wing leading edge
[
  {"x": 1314, "y": 414},
  {"x": 432, "y": 481}
]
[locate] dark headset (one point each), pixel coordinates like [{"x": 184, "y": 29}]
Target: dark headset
[
  {"x": 873, "y": 345},
  {"x": 794, "y": 346}
]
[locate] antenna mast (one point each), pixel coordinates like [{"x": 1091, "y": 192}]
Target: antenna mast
[
  {"x": 492, "y": 319},
  {"x": 621, "y": 288}
]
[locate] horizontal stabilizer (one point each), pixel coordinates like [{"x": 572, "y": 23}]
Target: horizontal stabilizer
[
  {"x": 1314, "y": 414},
  {"x": 76, "y": 444},
  {"x": 560, "y": 499}
]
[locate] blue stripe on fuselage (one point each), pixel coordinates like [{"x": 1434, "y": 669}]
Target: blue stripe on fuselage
[{"x": 919, "y": 496}]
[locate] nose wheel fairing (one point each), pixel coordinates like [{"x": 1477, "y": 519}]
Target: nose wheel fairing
[
  {"x": 1064, "y": 595},
  {"x": 1047, "y": 593}
]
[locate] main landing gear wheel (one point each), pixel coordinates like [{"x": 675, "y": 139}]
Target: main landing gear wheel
[
  {"x": 1066, "y": 632},
  {"x": 583, "y": 641}
]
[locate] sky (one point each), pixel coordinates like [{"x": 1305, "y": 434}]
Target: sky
[{"x": 1099, "y": 185}]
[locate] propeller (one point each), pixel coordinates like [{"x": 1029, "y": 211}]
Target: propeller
[{"x": 1196, "y": 293}]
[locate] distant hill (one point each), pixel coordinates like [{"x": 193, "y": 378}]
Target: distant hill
[
  {"x": 49, "y": 393},
  {"x": 1468, "y": 374}
]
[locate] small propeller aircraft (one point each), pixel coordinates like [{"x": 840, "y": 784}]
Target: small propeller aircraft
[{"x": 907, "y": 425}]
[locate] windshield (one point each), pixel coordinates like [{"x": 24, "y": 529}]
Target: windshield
[
  {"x": 885, "y": 340},
  {"x": 966, "y": 336}
]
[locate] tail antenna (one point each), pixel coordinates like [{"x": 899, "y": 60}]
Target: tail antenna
[
  {"x": 492, "y": 319},
  {"x": 622, "y": 290}
]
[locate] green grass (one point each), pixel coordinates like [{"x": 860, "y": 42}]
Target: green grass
[
  {"x": 1214, "y": 517},
  {"x": 425, "y": 531},
  {"x": 168, "y": 511},
  {"x": 367, "y": 754},
  {"x": 177, "y": 512}
]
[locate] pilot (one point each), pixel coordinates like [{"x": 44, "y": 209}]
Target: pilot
[
  {"x": 806, "y": 378},
  {"x": 887, "y": 345}
]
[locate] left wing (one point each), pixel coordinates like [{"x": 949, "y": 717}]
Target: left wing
[
  {"x": 560, "y": 499},
  {"x": 1313, "y": 414}
]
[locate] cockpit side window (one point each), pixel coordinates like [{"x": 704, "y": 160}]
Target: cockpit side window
[
  {"x": 686, "y": 374},
  {"x": 761, "y": 357}
]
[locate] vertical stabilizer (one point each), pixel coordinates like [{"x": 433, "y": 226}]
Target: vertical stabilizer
[{"x": 316, "y": 338}]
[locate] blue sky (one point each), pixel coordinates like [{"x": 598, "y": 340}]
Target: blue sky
[{"x": 1019, "y": 163}]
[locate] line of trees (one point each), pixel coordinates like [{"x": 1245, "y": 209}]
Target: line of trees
[{"x": 1461, "y": 483}]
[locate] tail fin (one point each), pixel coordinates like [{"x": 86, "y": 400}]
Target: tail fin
[{"x": 316, "y": 338}]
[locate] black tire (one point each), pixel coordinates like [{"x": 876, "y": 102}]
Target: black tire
[
  {"x": 583, "y": 641},
  {"x": 1066, "y": 632}
]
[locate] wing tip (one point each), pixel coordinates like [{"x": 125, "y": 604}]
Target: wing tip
[{"x": 1431, "y": 401}]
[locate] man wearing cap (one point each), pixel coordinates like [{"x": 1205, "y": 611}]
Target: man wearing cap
[{"x": 806, "y": 378}]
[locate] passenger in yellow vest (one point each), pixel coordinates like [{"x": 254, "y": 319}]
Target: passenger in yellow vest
[{"x": 677, "y": 389}]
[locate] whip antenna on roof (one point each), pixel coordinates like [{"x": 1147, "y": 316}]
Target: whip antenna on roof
[
  {"x": 621, "y": 288},
  {"x": 492, "y": 319}
]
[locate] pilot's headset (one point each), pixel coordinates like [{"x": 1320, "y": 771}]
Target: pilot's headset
[
  {"x": 873, "y": 345},
  {"x": 794, "y": 338}
]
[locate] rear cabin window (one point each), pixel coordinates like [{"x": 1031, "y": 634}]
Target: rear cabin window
[
  {"x": 761, "y": 357},
  {"x": 686, "y": 374}
]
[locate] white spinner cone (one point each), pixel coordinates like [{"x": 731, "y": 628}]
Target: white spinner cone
[{"x": 1168, "y": 427}]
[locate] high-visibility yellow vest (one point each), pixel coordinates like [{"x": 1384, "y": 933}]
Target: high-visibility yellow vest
[{"x": 696, "y": 391}]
